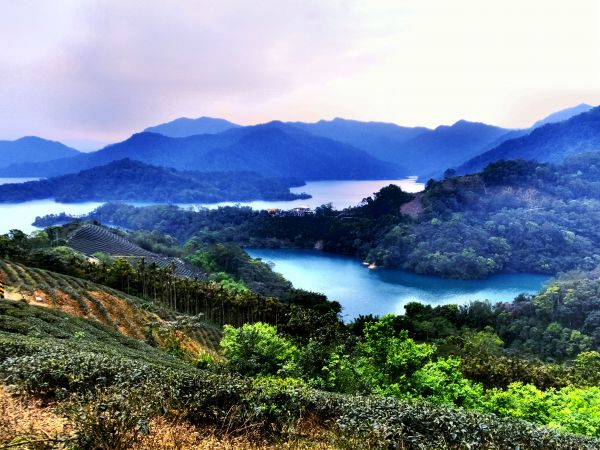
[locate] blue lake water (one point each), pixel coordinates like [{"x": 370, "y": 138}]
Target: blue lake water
[
  {"x": 341, "y": 194},
  {"x": 364, "y": 291}
]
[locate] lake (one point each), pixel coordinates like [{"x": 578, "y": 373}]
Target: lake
[
  {"x": 16, "y": 180},
  {"x": 341, "y": 194},
  {"x": 380, "y": 291}
]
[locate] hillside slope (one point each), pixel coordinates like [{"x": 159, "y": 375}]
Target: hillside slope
[
  {"x": 91, "y": 239},
  {"x": 549, "y": 143},
  {"x": 126, "y": 314}
]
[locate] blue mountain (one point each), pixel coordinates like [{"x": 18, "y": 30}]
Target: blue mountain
[
  {"x": 563, "y": 114},
  {"x": 274, "y": 149},
  {"x": 446, "y": 146},
  {"x": 549, "y": 143},
  {"x": 31, "y": 149},
  {"x": 184, "y": 127},
  {"x": 380, "y": 139}
]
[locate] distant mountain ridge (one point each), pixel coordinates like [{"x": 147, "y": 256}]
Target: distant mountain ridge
[
  {"x": 274, "y": 149},
  {"x": 422, "y": 151},
  {"x": 32, "y": 149},
  {"x": 327, "y": 149},
  {"x": 563, "y": 114},
  {"x": 549, "y": 143},
  {"x": 448, "y": 145},
  {"x": 127, "y": 180},
  {"x": 184, "y": 127},
  {"x": 382, "y": 140}
]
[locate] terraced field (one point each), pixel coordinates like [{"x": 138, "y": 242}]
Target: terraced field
[
  {"x": 130, "y": 315},
  {"x": 91, "y": 239}
]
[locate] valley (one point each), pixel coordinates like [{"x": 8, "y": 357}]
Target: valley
[
  {"x": 299, "y": 225},
  {"x": 387, "y": 291},
  {"x": 291, "y": 310}
]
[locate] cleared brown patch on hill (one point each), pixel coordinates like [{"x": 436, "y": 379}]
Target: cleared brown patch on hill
[
  {"x": 27, "y": 421},
  {"x": 190, "y": 345},
  {"x": 128, "y": 320},
  {"x": 176, "y": 435},
  {"x": 414, "y": 208},
  {"x": 87, "y": 300},
  {"x": 58, "y": 300}
]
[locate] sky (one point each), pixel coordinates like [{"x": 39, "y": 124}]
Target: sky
[{"x": 89, "y": 72}]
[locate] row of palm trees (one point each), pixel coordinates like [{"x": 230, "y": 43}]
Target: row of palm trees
[{"x": 186, "y": 295}]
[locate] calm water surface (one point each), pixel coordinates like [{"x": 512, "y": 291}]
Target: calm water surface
[
  {"x": 22, "y": 215},
  {"x": 340, "y": 193},
  {"x": 16, "y": 180},
  {"x": 364, "y": 291}
]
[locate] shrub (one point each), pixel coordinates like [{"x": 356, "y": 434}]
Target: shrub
[
  {"x": 257, "y": 349},
  {"x": 442, "y": 382}
]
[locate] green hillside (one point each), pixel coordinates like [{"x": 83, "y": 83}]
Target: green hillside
[{"x": 117, "y": 366}]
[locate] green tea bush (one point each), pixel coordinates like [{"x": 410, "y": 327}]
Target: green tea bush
[
  {"x": 88, "y": 361},
  {"x": 394, "y": 424},
  {"x": 570, "y": 409},
  {"x": 267, "y": 405}
]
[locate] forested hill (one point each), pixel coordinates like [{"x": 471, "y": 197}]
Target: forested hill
[
  {"x": 32, "y": 149},
  {"x": 128, "y": 180},
  {"x": 274, "y": 150},
  {"x": 514, "y": 216},
  {"x": 549, "y": 143},
  {"x": 518, "y": 216}
]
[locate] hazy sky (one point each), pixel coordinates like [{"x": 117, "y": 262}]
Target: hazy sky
[{"x": 99, "y": 70}]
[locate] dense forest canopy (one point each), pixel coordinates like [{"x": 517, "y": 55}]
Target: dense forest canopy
[{"x": 513, "y": 216}]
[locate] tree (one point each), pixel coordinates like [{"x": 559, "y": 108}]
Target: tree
[{"x": 257, "y": 349}]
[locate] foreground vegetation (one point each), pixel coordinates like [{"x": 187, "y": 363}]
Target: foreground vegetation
[
  {"x": 112, "y": 388},
  {"x": 478, "y": 376}
]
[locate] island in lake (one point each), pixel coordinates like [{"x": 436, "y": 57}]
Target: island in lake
[{"x": 127, "y": 180}]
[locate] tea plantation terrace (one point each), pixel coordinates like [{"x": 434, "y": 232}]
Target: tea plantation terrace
[{"x": 91, "y": 239}]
